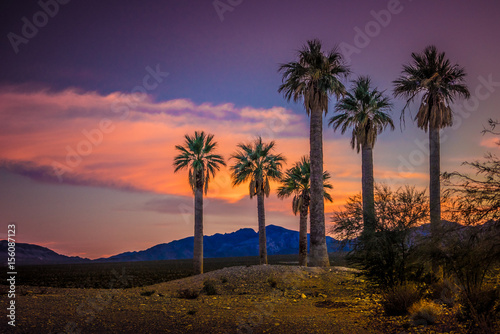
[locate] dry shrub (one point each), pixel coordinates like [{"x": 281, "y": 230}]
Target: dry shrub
[
  {"x": 147, "y": 293},
  {"x": 444, "y": 291},
  {"x": 272, "y": 281},
  {"x": 188, "y": 293},
  {"x": 398, "y": 299},
  {"x": 424, "y": 312},
  {"x": 482, "y": 307},
  {"x": 209, "y": 287}
]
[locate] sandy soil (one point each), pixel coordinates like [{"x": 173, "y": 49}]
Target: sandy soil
[{"x": 255, "y": 299}]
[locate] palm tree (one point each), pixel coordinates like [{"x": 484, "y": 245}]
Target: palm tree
[
  {"x": 363, "y": 110},
  {"x": 431, "y": 76},
  {"x": 312, "y": 79},
  {"x": 197, "y": 155},
  {"x": 256, "y": 163},
  {"x": 296, "y": 182}
]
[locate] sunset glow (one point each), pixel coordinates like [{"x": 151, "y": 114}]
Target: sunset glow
[{"x": 90, "y": 115}]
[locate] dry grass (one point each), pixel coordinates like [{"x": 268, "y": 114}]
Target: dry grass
[
  {"x": 398, "y": 299},
  {"x": 424, "y": 312}
]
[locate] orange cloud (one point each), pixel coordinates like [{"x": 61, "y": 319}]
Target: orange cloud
[
  {"x": 115, "y": 141},
  {"x": 94, "y": 139},
  {"x": 490, "y": 142}
]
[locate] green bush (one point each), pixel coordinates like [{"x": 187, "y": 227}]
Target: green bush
[
  {"x": 399, "y": 298},
  {"x": 209, "y": 287}
]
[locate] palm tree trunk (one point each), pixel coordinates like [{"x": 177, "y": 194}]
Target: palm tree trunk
[
  {"x": 304, "y": 210},
  {"x": 198, "y": 228},
  {"x": 262, "y": 229},
  {"x": 368, "y": 184},
  {"x": 435, "y": 184},
  {"x": 318, "y": 251}
]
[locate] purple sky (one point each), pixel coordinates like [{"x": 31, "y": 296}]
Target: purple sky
[{"x": 88, "y": 56}]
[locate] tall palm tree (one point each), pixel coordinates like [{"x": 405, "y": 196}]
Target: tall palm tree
[
  {"x": 363, "y": 110},
  {"x": 256, "y": 163},
  {"x": 312, "y": 79},
  {"x": 431, "y": 76},
  {"x": 197, "y": 155},
  {"x": 296, "y": 182}
]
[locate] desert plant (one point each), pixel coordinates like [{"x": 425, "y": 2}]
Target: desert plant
[
  {"x": 197, "y": 155},
  {"x": 432, "y": 78},
  {"x": 397, "y": 299},
  {"x": 256, "y": 163},
  {"x": 477, "y": 198},
  {"x": 272, "y": 281},
  {"x": 189, "y": 293},
  {"x": 147, "y": 293},
  {"x": 209, "y": 287},
  {"x": 424, "y": 312},
  {"x": 312, "y": 79},
  {"x": 364, "y": 110},
  {"x": 296, "y": 181},
  {"x": 444, "y": 291},
  {"x": 481, "y": 306},
  {"x": 385, "y": 254}
]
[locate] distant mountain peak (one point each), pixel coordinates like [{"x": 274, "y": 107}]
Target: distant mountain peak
[{"x": 243, "y": 242}]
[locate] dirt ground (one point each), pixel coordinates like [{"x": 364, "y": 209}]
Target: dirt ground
[{"x": 254, "y": 299}]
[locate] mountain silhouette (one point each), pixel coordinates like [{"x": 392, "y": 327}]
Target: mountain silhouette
[
  {"x": 243, "y": 242},
  {"x": 28, "y": 254}
]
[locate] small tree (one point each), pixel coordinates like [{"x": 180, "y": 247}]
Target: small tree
[
  {"x": 476, "y": 198},
  {"x": 471, "y": 250},
  {"x": 384, "y": 255}
]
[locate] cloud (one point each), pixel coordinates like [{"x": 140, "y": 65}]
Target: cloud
[
  {"x": 119, "y": 141},
  {"x": 122, "y": 142},
  {"x": 48, "y": 174},
  {"x": 490, "y": 142}
]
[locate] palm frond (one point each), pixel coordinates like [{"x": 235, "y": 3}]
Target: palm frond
[
  {"x": 314, "y": 77},
  {"x": 197, "y": 155},
  {"x": 256, "y": 163},
  {"x": 363, "y": 110},
  {"x": 431, "y": 76}
]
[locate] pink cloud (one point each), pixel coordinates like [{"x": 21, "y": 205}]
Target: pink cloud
[
  {"x": 79, "y": 138},
  {"x": 490, "y": 142}
]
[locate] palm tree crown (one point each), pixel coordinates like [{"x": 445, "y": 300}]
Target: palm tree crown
[
  {"x": 296, "y": 181},
  {"x": 197, "y": 156},
  {"x": 363, "y": 110},
  {"x": 440, "y": 82},
  {"x": 256, "y": 163},
  {"x": 314, "y": 77}
]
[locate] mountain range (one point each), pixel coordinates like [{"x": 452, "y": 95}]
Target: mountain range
[{"x": 244, "y": 242}]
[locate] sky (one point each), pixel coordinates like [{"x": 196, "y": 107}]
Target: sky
[{"x": 94, "y": 96}]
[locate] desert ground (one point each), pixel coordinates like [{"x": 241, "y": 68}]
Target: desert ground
[{"x": 239, "y": 299}]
